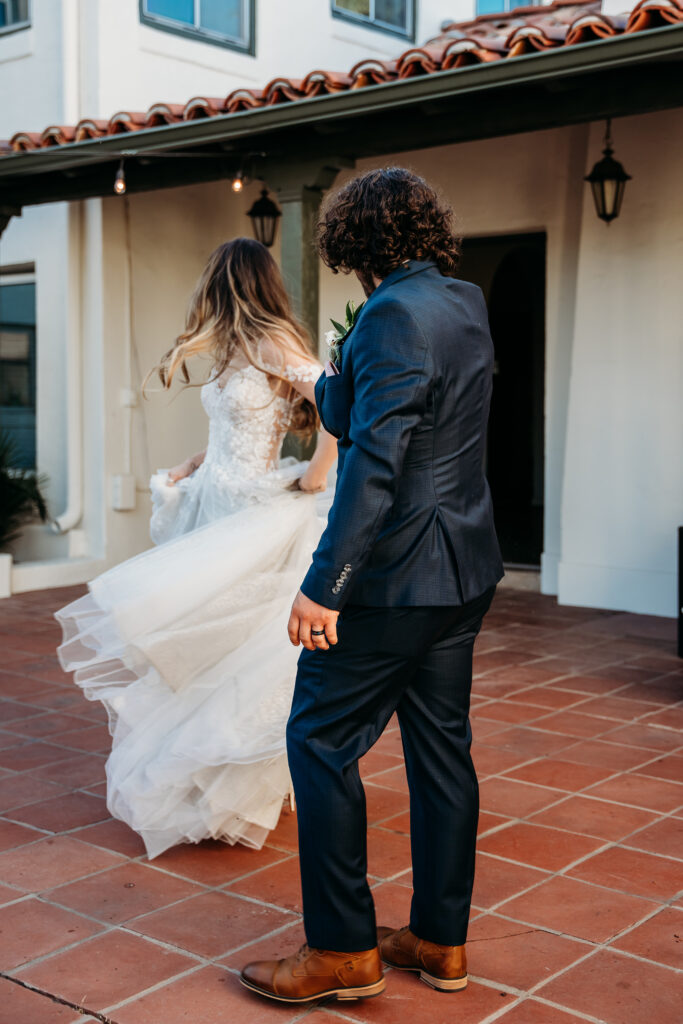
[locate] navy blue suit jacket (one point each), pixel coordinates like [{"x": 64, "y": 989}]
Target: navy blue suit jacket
[{"x": 411, "y": 522}]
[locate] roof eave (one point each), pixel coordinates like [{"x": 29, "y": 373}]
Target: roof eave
[{"x": 561, "y": 63}]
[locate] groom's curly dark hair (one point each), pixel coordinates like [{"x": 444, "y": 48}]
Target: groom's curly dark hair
[{"x": 383, "y": 217}]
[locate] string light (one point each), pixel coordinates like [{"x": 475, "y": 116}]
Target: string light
[
  {"x": 238, "y": 182},
  {"x": 120, "y": 181}
]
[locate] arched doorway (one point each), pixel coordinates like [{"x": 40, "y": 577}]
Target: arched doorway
[{"x": 511, "y": 272}]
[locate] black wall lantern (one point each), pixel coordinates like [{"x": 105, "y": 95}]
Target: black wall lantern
[
  {"x": 608, "y": 181},
  {"x": 264, "y": 214}
]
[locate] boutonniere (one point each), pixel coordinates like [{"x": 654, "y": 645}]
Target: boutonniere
[{"x": 336, "y": 337}]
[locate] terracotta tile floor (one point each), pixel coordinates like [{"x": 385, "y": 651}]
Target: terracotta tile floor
[{"x": 578, "y": 904}]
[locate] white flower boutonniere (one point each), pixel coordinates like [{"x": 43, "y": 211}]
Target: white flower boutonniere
[{"x": 335, "y": 338}]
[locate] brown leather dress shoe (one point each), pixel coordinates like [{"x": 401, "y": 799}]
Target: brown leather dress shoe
[
  {"x": 316, "y": 974},
  {"x": 442, "y": 967}
]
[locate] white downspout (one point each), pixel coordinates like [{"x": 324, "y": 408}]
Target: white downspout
[{"x": 71, "y": 56}]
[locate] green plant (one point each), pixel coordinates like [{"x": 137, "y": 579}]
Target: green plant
[{"x": 20, "y": 496}]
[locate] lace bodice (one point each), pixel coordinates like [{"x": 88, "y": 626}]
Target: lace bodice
[{"x": 247, "y": 421}]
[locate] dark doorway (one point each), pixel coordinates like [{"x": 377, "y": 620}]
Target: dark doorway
[{"x": 510, "y": 270}]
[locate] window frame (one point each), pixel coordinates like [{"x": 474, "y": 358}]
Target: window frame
[
  {"x": 379, "y": 26},
  {"x": 18, "y": 26},
  {"x": 177, "y": 28},
  {"x": 25, "y": 275}
]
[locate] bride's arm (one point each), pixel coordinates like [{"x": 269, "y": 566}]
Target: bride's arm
[
  {"x": 186, "y": 468},
  {"x": 303, "y": 380}
]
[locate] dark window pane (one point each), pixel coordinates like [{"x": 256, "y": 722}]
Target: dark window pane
[
  {"x": 355, "y": 6},
  {"x": 224, "y": 17},
  {"x": 392, "y": 12},
  {"x": 17, "y": 369},
  {"x": 174, "y": 10},
  {"x": 13, "y": 12},
  {"x": 518, "y": 3}
]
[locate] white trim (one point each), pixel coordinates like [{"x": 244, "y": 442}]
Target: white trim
[
  {"x": 643, "y": 591},
  {"x": 58, "y": 572}
]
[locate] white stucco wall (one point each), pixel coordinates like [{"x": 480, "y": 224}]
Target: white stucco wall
[{"x": 623, "y": 476}]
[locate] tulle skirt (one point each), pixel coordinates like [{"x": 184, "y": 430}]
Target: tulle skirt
[{"x": 186, "y": 647}]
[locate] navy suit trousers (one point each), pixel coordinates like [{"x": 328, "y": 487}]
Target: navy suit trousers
[{"x": 417, "y": 662}]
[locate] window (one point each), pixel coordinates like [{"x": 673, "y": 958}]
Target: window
[
  {"x": 14, "y": 14},
  {"x": 223, "y": 22},
  {"x": 18, "y": 367},
  {"x": 396, "y": 16},
  {"x": 500, "y": 6}
]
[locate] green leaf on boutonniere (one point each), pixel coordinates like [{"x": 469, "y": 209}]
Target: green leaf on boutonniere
[{"x": 339, "y": 328}]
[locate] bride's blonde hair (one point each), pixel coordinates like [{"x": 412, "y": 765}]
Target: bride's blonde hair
[{"x": 240, "y": 301}]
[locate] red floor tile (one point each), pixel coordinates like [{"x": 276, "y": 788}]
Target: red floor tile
[
  {"x": 18, "y": 790},
  {"x": 392, "y": 904},
  {"x": 532, "y": 1011},
  {"x": 15, "y": 684},
  {"x": 279, "y": 944},
  {"x": 670, "y": 768},
  {"x": 612, "y": 756},
  {"x": 52, "y": 861},
  {"x": 575, "y": 908},
  {"x": 547, "y": 697},
  {"x": 286, "y": 835},
  {"x": 75, "y": 771},
  {"x": 507, "y": 953},
  {"x": 207, "y": 995},
  {"x": 112, "y": 835},
  {"x": 617, "y": 708},
  {"x": 660, "y": 938},
  {"x": 496, "y": 880},
  {"x": 664, "y": 837},
  {"x": 670, "y": 718},
  {"x": 35, "y": 754},
  {"x": 376, "y": 761},
  {"x": 514, "y": 799},
  {"x": 13, "y": 711},
  {"x": 72, "y": 810},
  {"x": 383, "y": 803},
  {"x": 123, "y": 893},
  {"x": 632, "y": 871},
  {"x": 278, "y": 884},
  {"x": 574, "y": 722},
  {"x": 90, "y": 739},
  {"x": 530, "y": 742},
  {"x": 548, "y": 848},
  {"x": 216, "y": 863},
  {"x": 394, "y": 778},
  {"x": 616, "y": 989},
  {"x": 640, "y": 791},
  {"x": 594, "y": 817},
  {"x": 32, "y": 928},
  {"x": 408, "y": 999},
  {"x": 211, "y": 924},
  {"x": 106, "y": 969},
  {"x": 12, "y": 835},
  {"x": 388, "y": 853},
  {"x": 47, "y": 724},
  {"x": 562, "y": 775},
  {"x": 638, "y": 734},
  {"x": 491, "y": 761},
  {"x": 23, "y": 1006},
  {"x": 399, "y": 823},
  {"x": 514, "y": 712}
]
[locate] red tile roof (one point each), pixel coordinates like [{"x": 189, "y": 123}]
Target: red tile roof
[{"x": 487, "y": 38}]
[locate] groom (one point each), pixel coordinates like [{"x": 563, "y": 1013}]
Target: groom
[{"x": 391, "y": 606}]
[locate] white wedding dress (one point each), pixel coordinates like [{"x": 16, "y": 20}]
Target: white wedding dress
[{"x": 186, "y": 644}]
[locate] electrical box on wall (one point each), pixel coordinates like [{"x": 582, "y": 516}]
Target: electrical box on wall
[{"x": 123, "y": 492}]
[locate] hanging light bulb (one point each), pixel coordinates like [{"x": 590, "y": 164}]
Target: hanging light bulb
[
  {"x": 120, "y": 181},
  {"x": 238, "y": 182}
]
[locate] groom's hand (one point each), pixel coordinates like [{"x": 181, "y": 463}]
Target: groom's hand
[{"x": 307, "y": 616}]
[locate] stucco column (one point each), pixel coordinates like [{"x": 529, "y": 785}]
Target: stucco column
[{"x": 299, "y": 190}]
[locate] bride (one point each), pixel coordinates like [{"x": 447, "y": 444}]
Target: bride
[{"x": 186, "y": 644}]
